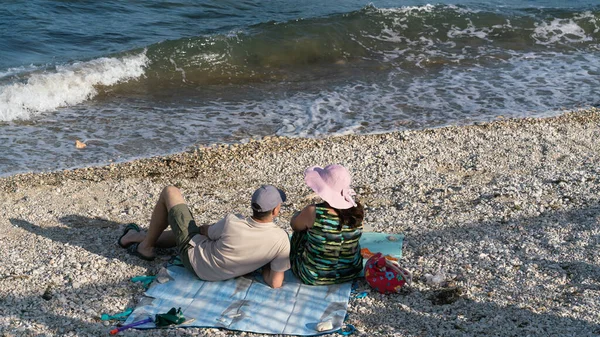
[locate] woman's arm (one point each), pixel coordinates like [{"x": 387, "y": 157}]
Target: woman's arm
[{"x": 304, "y": 219}]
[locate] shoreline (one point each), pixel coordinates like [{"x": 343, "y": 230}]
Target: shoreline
[
  {"x": 508, "y": 212},
  {"x": 131, "y": 168}
]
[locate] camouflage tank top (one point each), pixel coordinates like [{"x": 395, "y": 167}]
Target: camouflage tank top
[{"x": 326, "y": 253}]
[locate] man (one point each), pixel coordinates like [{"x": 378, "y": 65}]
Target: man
[{"x": 232, "y": 247}]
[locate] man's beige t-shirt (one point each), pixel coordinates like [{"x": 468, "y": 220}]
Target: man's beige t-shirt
[{"x": 236, "y": 246}]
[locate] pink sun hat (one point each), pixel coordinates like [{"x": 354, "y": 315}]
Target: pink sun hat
[{"x": 332, "y": 184}]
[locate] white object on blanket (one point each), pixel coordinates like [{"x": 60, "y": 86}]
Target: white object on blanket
[
  {"x": 324, "y": 326},
  {"x": 163, "y": 276}
]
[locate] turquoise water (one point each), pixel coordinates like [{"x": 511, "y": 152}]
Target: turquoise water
[{"x": 150, "y": 78}]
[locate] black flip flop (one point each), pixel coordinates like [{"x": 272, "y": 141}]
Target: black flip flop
[
  {"x": 133, "y": 250},
  {"x": 128, "y": 228}
]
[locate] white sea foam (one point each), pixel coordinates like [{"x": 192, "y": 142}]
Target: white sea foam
[
  {"x": 470, "y": 30},
  {"x": 68, "y": 85},
  {"x": 408, "y": 9},
  {"x": 527, "y": 85},
  {"x": 559, "y": 30},
  {"x": 463, "y": 10},
  {"x": 17, "y": 70},
  {"x": 588, "y": 16},
  {"x": 428, "y": 8},
  {"x": 211, "y": 58},
  {"x": 179, "y": 69},
  {"x": 330, "y": 112}
]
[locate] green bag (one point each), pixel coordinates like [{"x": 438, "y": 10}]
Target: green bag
[{"x": 173, "y": 316}]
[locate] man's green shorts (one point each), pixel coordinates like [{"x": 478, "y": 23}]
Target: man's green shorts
[{"x": 184, "y": 227}]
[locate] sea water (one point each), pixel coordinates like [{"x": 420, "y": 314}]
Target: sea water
[{"x": 144, "y": 78}]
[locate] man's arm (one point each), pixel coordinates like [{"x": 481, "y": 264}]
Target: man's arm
[
  {"x": 273, "y": 278},
  {"x": 214, "y": 232}
]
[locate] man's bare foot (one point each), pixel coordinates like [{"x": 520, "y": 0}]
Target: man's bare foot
[
  {"x": 146, "y": 251},
  {"x": 136, "y": 249},
  {"x": 131, "y": 227},
  {"x": 131, "y": 237}
]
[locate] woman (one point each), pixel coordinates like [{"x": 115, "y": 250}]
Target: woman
[{"x": 325, "y": 247}]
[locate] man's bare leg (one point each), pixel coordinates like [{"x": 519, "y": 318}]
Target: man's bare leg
[
  {"x": 156, "y": 235},
  {"x": 166, "y": 240}
]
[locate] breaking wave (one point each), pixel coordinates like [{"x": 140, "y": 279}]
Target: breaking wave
[{"x": 65, "y": 85}]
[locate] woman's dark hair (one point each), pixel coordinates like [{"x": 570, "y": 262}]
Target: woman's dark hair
[{"x": 352, "y": 217}]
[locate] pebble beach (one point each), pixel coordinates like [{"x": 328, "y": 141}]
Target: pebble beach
[{"x": 501, "y": 223}]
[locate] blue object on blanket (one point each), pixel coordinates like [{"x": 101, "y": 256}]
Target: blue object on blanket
[
  {"x": 119, "y": 316},
  {"x": 248, "y": 304},
  {"x": 145, "y": 280},
  {"x": 384, "y": 243}
]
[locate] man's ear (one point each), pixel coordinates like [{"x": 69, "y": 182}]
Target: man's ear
[{"x": 276, "y": 210}]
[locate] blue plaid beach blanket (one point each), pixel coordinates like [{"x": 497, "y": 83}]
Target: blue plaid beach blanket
[{"x": 248, "y": 304}]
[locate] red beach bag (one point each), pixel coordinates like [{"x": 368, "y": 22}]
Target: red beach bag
[{"x": 386, "y": 276}]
